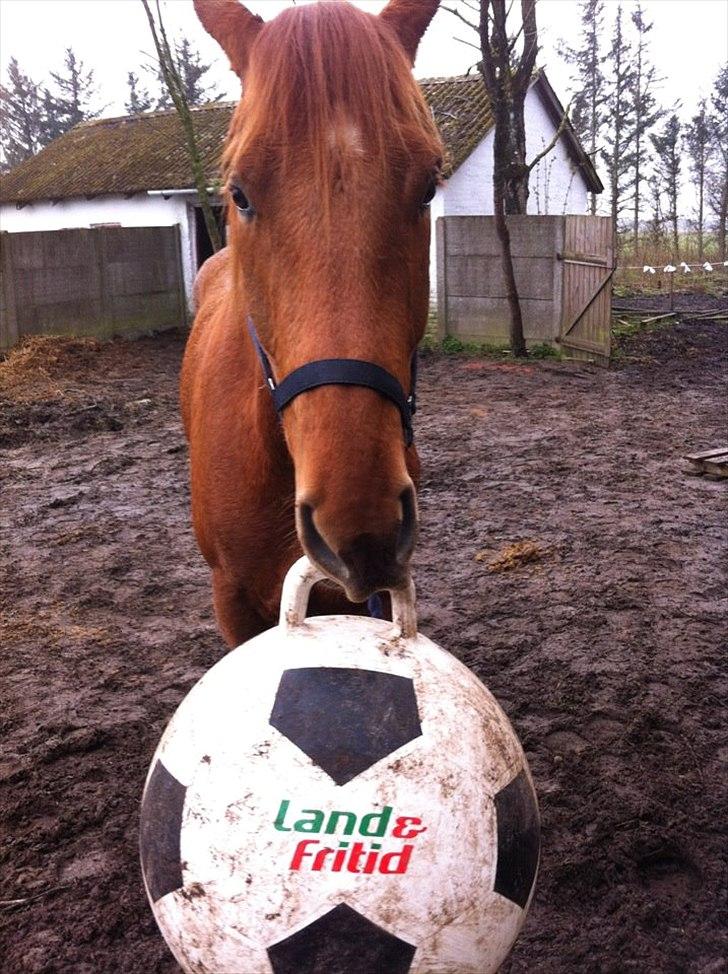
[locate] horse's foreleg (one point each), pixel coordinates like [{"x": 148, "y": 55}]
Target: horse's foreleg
[{"x": 236, "y": 619}]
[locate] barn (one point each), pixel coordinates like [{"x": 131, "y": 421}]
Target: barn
[{"x": 134, "y": 172}]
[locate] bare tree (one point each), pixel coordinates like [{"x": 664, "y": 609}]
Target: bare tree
[
  {"x": 507, "y": 78},
  {"x": 176, "y": 88},
  {"x": 507, "y": 74}
]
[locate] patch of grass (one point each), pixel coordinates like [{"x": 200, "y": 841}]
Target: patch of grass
[
  {"x": 451, "y": 345},
  {"x": 543, "y": 351},
  {"x": 628, "y": 325}
]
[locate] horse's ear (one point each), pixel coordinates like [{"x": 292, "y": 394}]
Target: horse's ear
[
  {"x": 410, "y": 19},
  {"x": 233, "y": 27}
]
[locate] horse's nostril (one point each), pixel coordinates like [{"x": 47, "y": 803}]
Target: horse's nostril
[{"x": 314, "y": 544}]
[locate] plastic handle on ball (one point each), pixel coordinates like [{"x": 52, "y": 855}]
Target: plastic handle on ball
[{"x": 303, "y": 575}]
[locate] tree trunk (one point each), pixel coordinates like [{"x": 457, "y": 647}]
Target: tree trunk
[
  {"x": 515, "y": 170},
  {"x": 593, "y": 124},
  {"x": 637, "y": 148},
  {"x": 675, "y": 234},
  {"x": 518, "y": 343},
  {"x": 637, "y": 177},
  {"x": 507, "y": 80}
]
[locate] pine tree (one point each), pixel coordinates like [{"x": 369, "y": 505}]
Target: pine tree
[
  {"x": 618, "y": 154},
  {"x": 718, "y": 180},
  {"x": 699, "y": 144},
  {"x": 667, "y": 146},
  {"x": 646, "y": 112},
  {"x": 75, "y": 90},
  {"x": 52, "y": 122},
  {"x": 191, "y": 71},
  {"x": 139, "y": 99},
  {"x": 588, "y": 81},
  {"x": 21, "y": 116}
]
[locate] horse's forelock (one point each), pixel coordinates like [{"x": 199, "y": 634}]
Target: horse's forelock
[{"x": 316, "y": 68}]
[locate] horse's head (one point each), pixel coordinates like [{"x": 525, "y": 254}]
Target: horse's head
[{"x": 331, "y": 160}]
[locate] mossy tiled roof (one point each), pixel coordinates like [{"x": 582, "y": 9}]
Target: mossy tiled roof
[
  {"x": 461, "y": 109},
  {"x": 118, "y": 155},
  {"x": 147, "y": 152}
]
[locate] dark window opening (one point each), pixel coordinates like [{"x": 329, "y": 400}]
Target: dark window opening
[{"x": 202, "y": 237}]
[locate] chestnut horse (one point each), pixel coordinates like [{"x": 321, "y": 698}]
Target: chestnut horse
[{"x": 331, "y": 159}]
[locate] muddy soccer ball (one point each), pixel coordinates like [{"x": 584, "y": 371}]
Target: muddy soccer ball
[{"x": 339, "y": 795}]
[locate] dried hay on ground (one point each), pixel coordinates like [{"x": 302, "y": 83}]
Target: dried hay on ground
[
  {"x": 514, "y": 556},
  {"x": 36, "y": 368}
]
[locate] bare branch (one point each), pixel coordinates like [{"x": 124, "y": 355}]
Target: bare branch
[
  {"x": 456, "y": 13},
  {"x": 514, "y": 39},
  {"x": 468, "y": 43},
  {"x": 557, "y": 135}
]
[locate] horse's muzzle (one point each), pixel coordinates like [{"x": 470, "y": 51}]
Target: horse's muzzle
[{"x": 369, "y": 562}]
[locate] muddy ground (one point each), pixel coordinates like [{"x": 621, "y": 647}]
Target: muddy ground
[{"x": 600, "y": 634}]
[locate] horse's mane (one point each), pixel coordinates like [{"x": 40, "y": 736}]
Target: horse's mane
[{"x": 316, "y": 68}]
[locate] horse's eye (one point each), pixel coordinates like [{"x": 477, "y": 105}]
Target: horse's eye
[
  {"x": 241, "y": 201},
  {"x": 429, "y": 195}
]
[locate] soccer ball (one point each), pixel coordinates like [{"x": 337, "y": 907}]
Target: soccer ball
[{"x": 339, "y": 796}]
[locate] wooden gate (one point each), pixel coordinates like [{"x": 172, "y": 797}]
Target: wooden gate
[{"x": 588, "y": 258}]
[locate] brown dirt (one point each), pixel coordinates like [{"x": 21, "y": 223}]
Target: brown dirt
[{"x": 605, "y": 649}]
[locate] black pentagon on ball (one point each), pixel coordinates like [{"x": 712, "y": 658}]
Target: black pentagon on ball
[
  {"x": 519, "y": 840},
  {"x": 342, "y": 941},
  {"x": 345, "y": 719},
  {"x": 159, "y": 832}
]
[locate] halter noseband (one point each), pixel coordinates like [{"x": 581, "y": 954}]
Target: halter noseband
[{"x": 339, "y": 372}]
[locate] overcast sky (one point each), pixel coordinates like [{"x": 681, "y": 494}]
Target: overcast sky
[{"x": 689, "y": 41}]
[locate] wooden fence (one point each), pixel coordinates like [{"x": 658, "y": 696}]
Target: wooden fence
[
  {"x": 563, "y": 267},
  {"x": 101, "y": 281}
]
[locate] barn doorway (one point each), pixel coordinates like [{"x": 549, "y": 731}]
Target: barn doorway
[{"x": 203, "y": 244}]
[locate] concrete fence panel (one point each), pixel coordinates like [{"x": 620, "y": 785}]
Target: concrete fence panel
[{"x": 102, "y": 281}]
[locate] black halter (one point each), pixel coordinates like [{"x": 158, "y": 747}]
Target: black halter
[{"x": 340, "y": 372}]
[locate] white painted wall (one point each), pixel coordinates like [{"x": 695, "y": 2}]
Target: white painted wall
[
  {"x": 556, "y": 186},
  {"x": 142, "y": 210}
]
